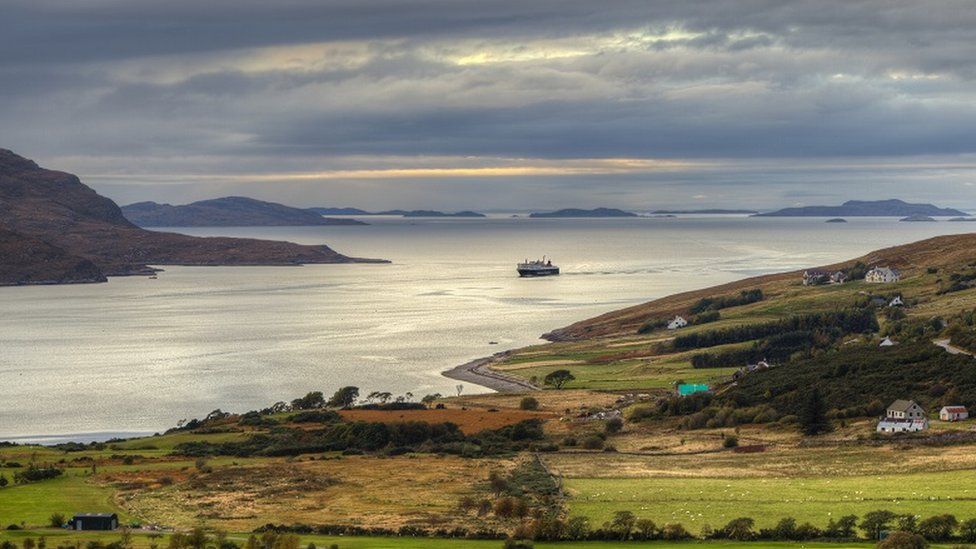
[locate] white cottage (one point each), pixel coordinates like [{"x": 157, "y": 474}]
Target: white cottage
[
  {"x": 887, "y": 342},
  {"x": 677, "y": 322},
  {"x": 882, "y": 275},
  {"x": 896, "y": 302},
  {"x": 953, "y": 413},
  {"x": 903, "y": 416}
]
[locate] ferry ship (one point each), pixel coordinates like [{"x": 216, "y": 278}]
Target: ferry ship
[{"x": 541, "y": 267}]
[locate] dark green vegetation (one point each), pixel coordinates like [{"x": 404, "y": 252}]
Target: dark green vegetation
[
  {"x": 361, "y": 436},
  {"x": 858, "y": 380}
]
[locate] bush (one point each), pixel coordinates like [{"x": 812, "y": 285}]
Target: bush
[
  {"x": 674, "y": 532},
  {"x": 730, "y": 442},
  {"x": 740, "y": 529},
  {"x": 938, "y": 528},
  {"x": 56, "y": 520},
  {"x": 903, "y": 540},
  {"x": 34, "y": 473},
  {"x": 518, "y": 544},
  {"x": 614, "y": 425},
  {"x": 593, "y": 442},
  {"x": 529, "y": 403}
]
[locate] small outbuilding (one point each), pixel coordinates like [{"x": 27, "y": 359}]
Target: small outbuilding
[
  {"x": 686, "y": 389},
  {"x": 896, "y": 302},
  {"x": 953, "y": 413},
  {"x": 838, "y": 277},
  {"x": 887, "y": 342},
  {"x": 94, "y": 521},
  {"x": 677, "y": 322}
]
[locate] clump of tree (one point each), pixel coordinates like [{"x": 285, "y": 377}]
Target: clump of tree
[
  {"x": 558, "y": 378},
  {"x": 834, "y": 323},
  {"x": 344, "y": 397},
  {"x": 35, "y": 473},
  {"x": 745, "y": 297},
  {"x": 813, "y": 415},
  {"x": 374, "y": 437},
  {"x": 529, "y": 403},
  {"x": 311, "y": 401}
]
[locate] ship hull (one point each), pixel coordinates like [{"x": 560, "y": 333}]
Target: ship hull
[{"x": 552, "y": 271}]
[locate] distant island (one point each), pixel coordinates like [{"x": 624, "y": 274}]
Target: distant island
[
  {"x": 917, "y": 217},
  {"x": 705, "y": 212},
  {"x": 836, "y": 220},
  {"x": 963, "y": 219},
  {"x": 866, "y": 208},
  {"x": 575, "y": 212},
  {"x": 56, "y": 230},
  {"x": 402, "y": 213},
  {"x": 230, "y": 211}
]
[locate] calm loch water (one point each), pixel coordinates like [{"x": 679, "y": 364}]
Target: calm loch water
[{"x": 137, "y": 355}]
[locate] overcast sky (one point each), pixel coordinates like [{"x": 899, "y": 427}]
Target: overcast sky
[{"x": 494, "y": 104}]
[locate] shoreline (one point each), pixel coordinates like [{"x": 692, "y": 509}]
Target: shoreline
[{"x": 478, "y": 372}]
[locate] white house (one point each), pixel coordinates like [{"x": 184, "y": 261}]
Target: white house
[
  {"x": 903, "y": 416},
  {"x": 677, "y": 322},
  {"x": 882, "y": 275},
  {"x": 887, "y": 342},
  {"x": 839, "y": 277},
  {"x": 953, "y": 413},
  {"x": 896, "y": 302}
]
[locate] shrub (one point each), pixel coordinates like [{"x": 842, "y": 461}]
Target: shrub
[
  {"x": 529, "y": 403},
  {"x": 56, "y": 520},
  {"x": 740, "y": 529},
  {"x": 730, "y": 442},
  {"x": 35, "y": 473},
  {"x": 593, "y": 442},
  {"x": 938, "y": 528},
  {"x": 614, "y": 425},
  {"x": 903, "y": 540},
  {"x": 518, "y": 544},
  {"x": 674, "y": 532}
]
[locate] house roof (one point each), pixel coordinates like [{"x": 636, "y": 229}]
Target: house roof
[
  {"x": 954, "y": 409},
  {"x": 901, "y": 405},
  {"x": 96, "y": 515}
]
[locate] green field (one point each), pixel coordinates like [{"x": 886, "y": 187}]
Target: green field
[
  {"x": 694, "y": 502},
  {"x": 142, "y": 541},
  {"x": 33, "y": 503}
]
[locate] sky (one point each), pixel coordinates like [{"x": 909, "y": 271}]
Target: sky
[{"x": 497, "y": 104}]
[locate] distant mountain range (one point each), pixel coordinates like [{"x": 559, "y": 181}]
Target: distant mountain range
[
  {"x": 866, "y": 208},
  {"x": 715, "y": 211},
  {"x": 231, "y": 211},
  {"x": 575, "y": 212},
  {"x": 55, "y": 230},
  {"x": 403, "y": 213}
]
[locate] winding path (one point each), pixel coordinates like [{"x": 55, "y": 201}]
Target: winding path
[
  {"x": 478, "y": 372},
  {"x": 945, "y": 344}
]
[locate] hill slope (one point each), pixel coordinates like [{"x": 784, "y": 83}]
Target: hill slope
[
  {"x": 56, "y": 208},
  {"x": 866, "y": 208},
  {"x": 30, "y": 261},
  {"x": 951, "y": 250},
  {"x": 231, "y": 211}
]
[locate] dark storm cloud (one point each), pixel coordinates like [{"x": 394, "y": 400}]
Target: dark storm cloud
[{"x": 153, "y": 89}]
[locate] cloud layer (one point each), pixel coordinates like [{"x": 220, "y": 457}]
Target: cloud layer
[{"x": 499, "y": 103}]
